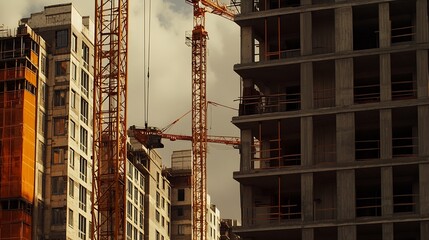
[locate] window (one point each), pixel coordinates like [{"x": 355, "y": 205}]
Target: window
[
  {"x": 84, "y": 110},
  {"x": 168, "y": 227},
  {"x": 162, "y": 221},
  {"x": 42, "y": 122},
  {"x": 61, "y": 38},
  {"x": 58, "y": 185},
  {"x": 61, "y": 68},
  {"x": 41, "y": 154},
  {"x": 157, "y": 179},
  {"x": 158, "y": 196},
  {"x": 71, "y": 218},
  {"x": 141, "y": 200},
  {"x": 181, "y": 229},
  {"x": 136, "y": 216},
  {"x": 74, "y": 43},
  {"x": 129, "y": 231},
  {"x": 136, "y": 195},
  {"x": 83, "y": 168},
  {"x": 74, "y": 71},
  {"x": 85, "y": 55},
  {"x": 82, "y": 197},
  {"x": 72, "y": 129},
  {"x": 136, "y": 174},
  {"x": 141, "y": 219},
  {"x": 59, "y": 98},
  {"x": 84, "y": 81},
  {"x": 130, "y": 189},
  {"x": 181, "y": 194},
  {"x": 82, "y": 227},
  {"x": 43, "y": 65},
  {"x": 157, "y": 216},
  {"x": 130, "y": 170},
  {"x": 129, "y": 210},
  {"x": 58, "y": 155},
  {"x": 42, "y": 93},
  {"x": 179, "y": 212},
  {"x": 71, "y": 158},
  {"x": 58, "y": 216},
  {"x": 83, "y": 140},
  {"x": 71, "y": 188},
  {"x": 157, "y": 235},
  {"x": 73, "y": 99},
  {"x": 135, "y": 234},
  {"x": 60, "y": 126},
  {"x": 141, "y": 181}
]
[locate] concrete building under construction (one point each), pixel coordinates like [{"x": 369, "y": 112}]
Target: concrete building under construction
[
  {"x": 333, "y": 119},
  {"x": 19, "y": 68}
]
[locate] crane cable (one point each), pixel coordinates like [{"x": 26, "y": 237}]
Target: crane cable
[{"x": 146, "y": 63}]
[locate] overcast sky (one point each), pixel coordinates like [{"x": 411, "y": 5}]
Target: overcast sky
[{"x": 170, "y": 80}]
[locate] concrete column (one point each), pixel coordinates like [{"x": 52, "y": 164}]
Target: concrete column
[
  {"x": 307, "y": 197},
  {"x": 307, "y": 99},
  {"x": 308, "y": 234},
  {"x": 246, "y": 150},
  {"x": 424, "y": 190},
  {"x": 386, "y": 191},
  {"x": 344, "y": 82},
  {"x": 343, "y": 29},
  {"x": 246, "y": 195},
  {"x": 422, "y": 74},
  {"x": 346, "y": 195},
  {"x": 384, "y": 25},
  {"x": 307, "y": 141},
  {"x": 247, "y": 50},
  {"x": 421, "y": 21},
  {"x": 387, "y": 229},
  {"x": 347, "y": 233},
  {"x": 246, "y": 7},
  {"x": 424, "y": 230},
  {"x": 306, "y": 33},
  {"x": 345, "y": 137},
  {"x": 385, "y": 133},
  {"x": 385, "y": 78},
  {"x": 423, "y": 130}
]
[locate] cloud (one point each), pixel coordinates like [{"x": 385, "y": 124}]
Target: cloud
[{"x": 170, "y": 79}]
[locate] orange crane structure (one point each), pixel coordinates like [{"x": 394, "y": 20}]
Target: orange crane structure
[
  {"x": 110, "y": 111},
  {"x": 199, "y": 109}
]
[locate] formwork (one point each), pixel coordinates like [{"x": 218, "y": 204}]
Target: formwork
[{"x": 18, "y": 72}]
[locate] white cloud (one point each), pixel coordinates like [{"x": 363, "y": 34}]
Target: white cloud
[{"x": 170, "y": 80}]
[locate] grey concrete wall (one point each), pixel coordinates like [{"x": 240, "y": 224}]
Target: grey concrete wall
[
  {"x": 346, "y": 195},
  {"x": 345, "y": 137},
  {"x": 306, "y": 141}
]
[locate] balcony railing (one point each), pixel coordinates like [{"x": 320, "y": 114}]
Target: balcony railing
[{"x": 270, "y": 103}]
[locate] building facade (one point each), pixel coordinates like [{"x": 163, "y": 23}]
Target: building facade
[
  {"x": 157, "y": 204},
  {"x": 135, "y": 204},
  {"x": 180, "y": 176},
  {"x": 65, "y": 118},
  {"x": 333, "y": 119},
  {"x": 20, "y": 57}
]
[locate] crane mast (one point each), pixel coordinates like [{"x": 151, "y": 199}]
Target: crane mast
[
  {"x": 110, "y": 111},
  {"x": 199, "y": 123},
  {"x": 199, "y": 111}
]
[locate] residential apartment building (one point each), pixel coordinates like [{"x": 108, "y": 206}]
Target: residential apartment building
[
  {"x": 65, "y": 118},
  {"x": 333, "y": 119},
  {"x": 180, "y": 176},
  {"x": 22, "y": 76},
  {"x": 135, "y": 204},
  {"x": 157, "y": 204}
]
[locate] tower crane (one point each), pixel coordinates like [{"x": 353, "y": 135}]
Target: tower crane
[
  {"x": 110, "y": 111},
  {"x": 199, "y": 109}
]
